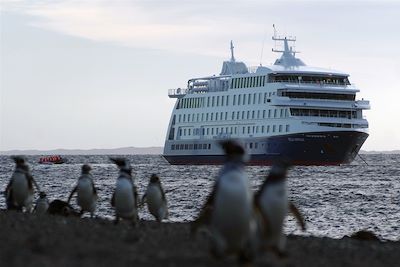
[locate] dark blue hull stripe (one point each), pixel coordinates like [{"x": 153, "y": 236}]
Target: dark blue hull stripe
[{"x": 318, "y": 148}]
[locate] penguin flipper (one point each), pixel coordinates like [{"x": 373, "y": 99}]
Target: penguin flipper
[
  {"x": 135, "y": 195},
  {"x": 204, "y": 217},
  {"x": 264, "y": 219},
  {"x": 94, "y": 189},
  {"x": 144, "y": 197},
  {"x": 71, "y": 194},
  {"x": 299, "y": 217},
  {"x": 33, "y": 181},
  {"x": 113, "y": 200},
  {"x": 163, "y": 193}
]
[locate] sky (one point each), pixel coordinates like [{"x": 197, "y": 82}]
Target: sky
[{"x": 95, "y": 74}]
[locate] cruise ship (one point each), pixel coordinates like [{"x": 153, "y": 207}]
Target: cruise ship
[{"x": 305, "y": 114}]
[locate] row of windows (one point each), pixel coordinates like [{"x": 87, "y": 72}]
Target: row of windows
[
  {"x": 298, "y": 78},
  {"x": 249, "y": 145},
  {"x": 221, "y": 101},
  {"x": 343, "y": 125},
  {"x": 191, "y": 146},
  {"x": 308, "y": 95},
  {"x": 195, "y": 102},
  {"x": 254, "y": 81},
  {"x": 323, "y": 113},
  {"x": 234, "y": 115},
  {"x": 226, "y": 131}
]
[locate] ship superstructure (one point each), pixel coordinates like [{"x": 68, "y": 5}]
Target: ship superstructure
[{"x": 308, "y": 115}]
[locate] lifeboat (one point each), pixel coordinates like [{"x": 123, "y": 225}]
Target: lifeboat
[{"x": 52, "y": 160}]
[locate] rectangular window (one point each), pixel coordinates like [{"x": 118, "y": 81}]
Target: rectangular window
[
  {"x": 248, "y": 114},
  {"x": 227, "y": 100},
  {"x": 262, "y": 129},
  {"x": 217, "y": 101},
  {"x": 249, "y": 100},
  {"x": 264, "y": 114},
  {"x": 244, "y": 99},
  {"x": 269, "y": 113},
  {"x": 280, "y": 128},
  {"x": 222, "y": 100},
  {"x": 252, "y": 114},
  {"x": 267, "y": 128},
  {"x": 212, "y": 116},
  {"x": 281, "y": 113},
  {"x": 273, "y": 128},
  {"x": 258, "y": 114},
  {"x": 212, "y": 101},
  {"x": 239, "y": 98},
  {"x": 265, "y": 98},
  {"x": 234, "y": 100},
  {"x": 254, "y": 99},
  {"x": 287, "y": 127},
  {"x": 274, "y": 113}
]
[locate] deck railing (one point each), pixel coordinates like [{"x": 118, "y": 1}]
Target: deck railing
[{"x": 177, "y": 93}]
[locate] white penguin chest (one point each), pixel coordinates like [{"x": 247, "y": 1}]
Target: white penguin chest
[
  {"x": 233, "y": 199},
  {"x": 20, "y": 186},
  {"x": 154, "y": 196},
  {"x": 124, "y": 196},
  {"x": 42, "y": 205},
  {"x": 86, "y": 196},
  {"x": 274, "y": 203},
  {"x": 85, "y": 188}
]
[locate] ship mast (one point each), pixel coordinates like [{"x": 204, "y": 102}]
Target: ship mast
[{"x": 232, "y": 56}]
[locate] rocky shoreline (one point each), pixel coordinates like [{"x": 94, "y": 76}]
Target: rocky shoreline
[{"x": 33, "y": 240}]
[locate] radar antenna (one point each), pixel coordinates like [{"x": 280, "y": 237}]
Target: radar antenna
[
  {"x": 232, "y": 56},
  {"x": 285, "y": 39}
]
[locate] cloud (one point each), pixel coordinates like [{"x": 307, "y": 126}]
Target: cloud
[{"x": 193, "y": 27}]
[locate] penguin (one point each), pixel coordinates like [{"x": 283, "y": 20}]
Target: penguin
[
  {"x": 42, "y": 204},
  {"x": 155, "y": 199},
  {"x": 228, "y": 210},
  {"x": 20, "y": 191},
  {"x": 272, "y": 204},
  {"x": 59, "y": 207},
  {"x": 125, "y": 196},
  {"x": 87, "y": 193}
]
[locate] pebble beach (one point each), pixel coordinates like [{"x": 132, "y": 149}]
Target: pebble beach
[{"x": 46, "y": 240}]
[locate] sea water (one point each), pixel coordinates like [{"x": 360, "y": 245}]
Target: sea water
[{"x": 335, "y": 200}]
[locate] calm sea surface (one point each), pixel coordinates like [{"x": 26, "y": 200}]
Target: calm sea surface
[{"x": 336, "y": 201}]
